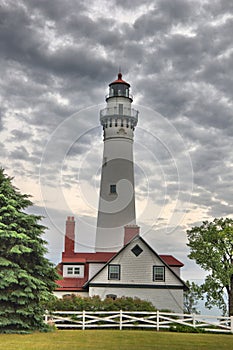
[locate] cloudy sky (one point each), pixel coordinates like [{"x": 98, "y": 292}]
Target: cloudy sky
[{"x": 57, "y": 59}]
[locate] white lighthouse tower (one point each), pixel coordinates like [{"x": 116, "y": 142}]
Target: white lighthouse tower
[{"x": 117, "y": 197}]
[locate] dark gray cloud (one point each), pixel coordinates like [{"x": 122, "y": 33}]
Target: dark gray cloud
[
  {"x": 57, "y": 58},
  {"x": 127, "y": 4},
  {"x": 20, "y": 153},
  {"x": 20, "y": 135}
]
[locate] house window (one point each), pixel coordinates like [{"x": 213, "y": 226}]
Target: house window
[
  {"x": 113, "y": 189},
  {"x": 77, "y": 270},
  {"x": 114, "y": 272},
  {"x": 69, "y": 270},
  {"x": 159, "y": 273},
  {"x": 111, "y": 296},
  {"x": 137, "y": 250},
  {"x": 74, "y": 271}
]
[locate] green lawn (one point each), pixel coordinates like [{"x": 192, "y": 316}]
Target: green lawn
[{"x": 115, "y": 340}]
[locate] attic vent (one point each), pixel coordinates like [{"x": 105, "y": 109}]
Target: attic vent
[{"x": 137, "y": 250}]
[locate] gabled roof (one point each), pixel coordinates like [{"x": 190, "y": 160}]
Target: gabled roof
[
  {"x": 105, "y": 257},
  {"x": 72, "y": 284},
  {"x": 163, "y": 260}
]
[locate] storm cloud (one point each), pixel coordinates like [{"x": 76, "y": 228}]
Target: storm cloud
[{"x": 56, "y": 61}]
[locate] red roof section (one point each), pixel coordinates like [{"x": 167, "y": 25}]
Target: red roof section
[
  {"x": 87, "y": 257},
  {"x": 105, "y": 257},
  {"x": 119, "y": 80},
  {"x": 171, "y": 261},
  {"x": 76, "y": 284},
  {"x": 68, "y": 283}
]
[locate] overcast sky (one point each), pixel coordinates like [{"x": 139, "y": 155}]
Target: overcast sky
[{"x": 57, "y": 59}]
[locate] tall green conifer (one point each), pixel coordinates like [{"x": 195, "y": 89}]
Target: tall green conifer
[{"x": 26, "y": 276}]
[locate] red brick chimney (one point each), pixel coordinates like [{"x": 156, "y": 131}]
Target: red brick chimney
[
  {"x": 130, "y": 232},
  {"x": 70, "y": 236}
]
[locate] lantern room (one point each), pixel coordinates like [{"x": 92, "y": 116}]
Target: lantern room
[{"x": 119, "y": 88}]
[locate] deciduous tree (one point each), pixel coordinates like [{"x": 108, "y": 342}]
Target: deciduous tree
[
  {"x": 211, "y": 246},
  {"x": 191, "y": 297}
]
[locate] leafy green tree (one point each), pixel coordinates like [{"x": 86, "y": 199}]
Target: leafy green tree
[
  {"x": 26, "y": 276},
  {"x": 211, "y": 246},
  {"x": 191, "y": 297}
]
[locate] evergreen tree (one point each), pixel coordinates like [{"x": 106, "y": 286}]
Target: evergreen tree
[{"x": 26, "y": 276}]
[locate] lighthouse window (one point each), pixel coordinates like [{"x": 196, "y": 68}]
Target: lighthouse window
[
  {"x": 120, "y": 108},
  {"x": 113, "y": 189}
]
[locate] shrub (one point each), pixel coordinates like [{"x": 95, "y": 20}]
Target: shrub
[
  {"x": 185, "y": 329},
  {"x": 77, "y": 303}
]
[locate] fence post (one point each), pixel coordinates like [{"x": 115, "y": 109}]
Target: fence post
[
  {"x": 46, "y": 316},
  {"x": 231, "y": 320},
  {"x": 194, "y": 320},
  {"x": 157, "y": 322},
  {"x": 120, "y": 320},
  {"x": 83, "y": 319}
]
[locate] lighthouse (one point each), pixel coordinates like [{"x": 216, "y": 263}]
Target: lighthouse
[
  {"x": 117, "y": 194},
  {"x": 123, "y": 264}
]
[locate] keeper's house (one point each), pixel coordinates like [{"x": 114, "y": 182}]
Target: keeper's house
[{"x": 136, "y": 270}]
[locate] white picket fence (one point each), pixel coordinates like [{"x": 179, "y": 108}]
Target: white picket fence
[{"x": 133, "y": 319}]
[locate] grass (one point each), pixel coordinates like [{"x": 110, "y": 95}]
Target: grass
[{"x": 115, "y": 340}]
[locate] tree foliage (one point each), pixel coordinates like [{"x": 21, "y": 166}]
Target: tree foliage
[
  {"x": 211, "y": 246},
  {"x": 191, "y": 297},
  {"x": 26, "y": 276}
]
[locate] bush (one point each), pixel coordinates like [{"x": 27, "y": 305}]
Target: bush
[
  {"x": 77, "y": 303},
  {"x": 185, "y": 329}
]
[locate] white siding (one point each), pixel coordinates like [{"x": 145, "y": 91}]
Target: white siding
[
  {"x": 94, "y": 268},
  {"x": 176, "y": 269},
  {"x": 169, "y": 299},
  {"x": 137, "y": 269}
]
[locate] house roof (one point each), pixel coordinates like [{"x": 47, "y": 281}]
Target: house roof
[
  {"x": 104, "y": 257},
  {"x": 171, "y": 260},
  {"x": 88, "y": 257},
  {"x": 78, "y": 284},
  {"x": 163, "y": 260},
  {"x": 119, "y": 80},
  {"x": 70, "y": 284}
]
